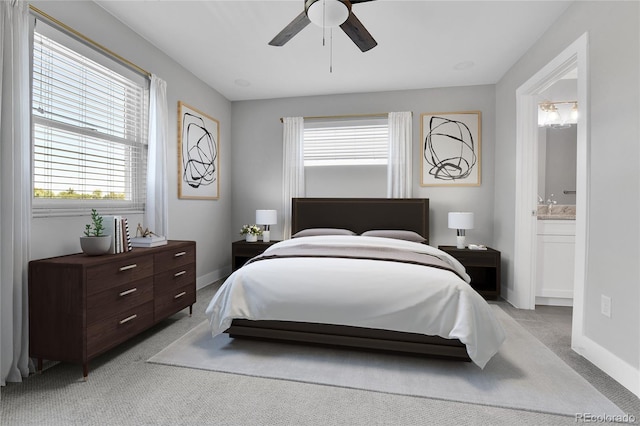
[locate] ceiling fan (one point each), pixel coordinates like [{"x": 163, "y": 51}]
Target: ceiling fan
[{"x": 329, "y": 13}]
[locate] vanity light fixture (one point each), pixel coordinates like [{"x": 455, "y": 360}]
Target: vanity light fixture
[{"x": 558, "y": 114}]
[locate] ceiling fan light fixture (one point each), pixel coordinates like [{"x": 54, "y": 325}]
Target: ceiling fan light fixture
[{"x": 328, "y": 13}]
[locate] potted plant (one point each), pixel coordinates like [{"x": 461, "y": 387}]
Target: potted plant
[
  {"x": 251, "y": 232},
  {"x": 95, "y": 242}
]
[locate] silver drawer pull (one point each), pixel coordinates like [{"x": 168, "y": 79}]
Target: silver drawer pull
[
  {"x": 177, "y": 274},
  {"x": 127, "y": 319},
  {"x": 182, "y": 253},
  {"x": 131, "y": 290},
  {"x": 178, "y": 296},
  {"x": 126, "y": 268}
]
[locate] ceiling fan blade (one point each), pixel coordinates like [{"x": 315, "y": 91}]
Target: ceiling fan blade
[
  {"x": 358, "y": 33},
  {"x": 290, "y": 30},
  {"x": 359, "y": 1}
]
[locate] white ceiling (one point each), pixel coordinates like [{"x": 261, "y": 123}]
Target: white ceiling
[{"x": 421, "y": 43}]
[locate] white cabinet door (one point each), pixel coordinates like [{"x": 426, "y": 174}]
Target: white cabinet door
[{"x": 556, "y": 252}]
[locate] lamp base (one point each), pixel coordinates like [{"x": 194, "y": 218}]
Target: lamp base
[
  {"x": 266, "y": 236},
  {"x": 460, "y": 241}
]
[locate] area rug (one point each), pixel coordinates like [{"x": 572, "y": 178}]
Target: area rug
[{"x": 524, "y": 375}]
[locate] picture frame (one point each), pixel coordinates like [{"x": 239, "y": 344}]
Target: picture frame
[
  {"x": 451, "y": 144},
  {"x": 198, "y": 154}
]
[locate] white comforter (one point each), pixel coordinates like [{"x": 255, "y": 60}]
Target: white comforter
[{"x": 364, "y": 293}]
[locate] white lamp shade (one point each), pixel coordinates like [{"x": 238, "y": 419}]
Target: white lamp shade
[
  {"x": 328, "y": 13},
  {"x": 460, "y": 220},
  {"x": 266, "y": 217}
]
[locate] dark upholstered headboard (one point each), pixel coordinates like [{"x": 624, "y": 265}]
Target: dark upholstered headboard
[{"x": 361, "y": 214}]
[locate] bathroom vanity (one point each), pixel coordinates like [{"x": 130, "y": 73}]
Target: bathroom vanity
[{"x": 556, "y": 234}]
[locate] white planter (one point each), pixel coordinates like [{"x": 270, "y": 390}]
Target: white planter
[
  {"x": 95, "y": 246},
  {"x": 251, "y": 238}
]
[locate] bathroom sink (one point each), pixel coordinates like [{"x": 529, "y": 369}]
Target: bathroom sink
[{"x": 557, "y": 212}]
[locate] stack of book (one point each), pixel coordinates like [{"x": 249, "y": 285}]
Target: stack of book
[
  {"x": 150, "y": 241},
  {"x": 118, "y": 228}
]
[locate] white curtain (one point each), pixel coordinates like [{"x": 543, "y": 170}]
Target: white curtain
[
  {"x": 293, "y": 166},
  {"x": 157, "y": 206},
  {"x": 399, "y": 170},
  {"x": 15, "y": 189}
]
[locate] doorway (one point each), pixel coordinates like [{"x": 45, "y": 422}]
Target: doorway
[
  {"x": 525, "y": 249},
  {"x": 557, "y": 130}
]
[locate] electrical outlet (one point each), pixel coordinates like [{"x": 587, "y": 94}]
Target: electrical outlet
[{"x": 605, "y": 306}]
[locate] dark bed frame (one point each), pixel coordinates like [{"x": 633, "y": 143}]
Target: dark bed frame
[{"x": 358, "y": 215}]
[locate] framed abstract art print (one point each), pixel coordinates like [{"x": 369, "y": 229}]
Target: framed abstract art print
[
  {"x": 198, "y": 154},
  {"x": 450, "y": 148}
]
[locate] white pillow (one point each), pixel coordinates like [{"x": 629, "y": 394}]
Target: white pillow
[
  {"x": 397, "y": 234},
  {"x": 311, "y": 232}
]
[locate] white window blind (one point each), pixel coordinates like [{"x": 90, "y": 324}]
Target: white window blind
[
  {"x": 90, "y": 125},
  {"x": 346, "y": 142}
]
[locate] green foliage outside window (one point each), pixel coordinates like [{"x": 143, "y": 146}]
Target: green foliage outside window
[{"x": 72, "y": 194}]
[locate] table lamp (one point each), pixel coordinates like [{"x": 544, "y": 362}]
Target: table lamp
[
  {"x": 460, "y": 221},
  {"x": 266, "y": 218}
]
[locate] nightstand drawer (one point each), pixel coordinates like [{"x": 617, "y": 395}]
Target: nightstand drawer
[
  {"x": 476, "y": 257},
  {"x": 122, "y": 271},
  {"x": 242, "y": 251}
]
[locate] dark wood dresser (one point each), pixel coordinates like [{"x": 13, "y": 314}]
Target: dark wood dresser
[{"x": 81, "y": 306}]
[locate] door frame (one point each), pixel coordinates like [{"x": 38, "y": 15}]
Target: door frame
[{"x": 525, "y": 247}]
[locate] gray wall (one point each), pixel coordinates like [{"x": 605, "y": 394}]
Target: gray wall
[
  {"x": 614, "y": 178},
  {"x": 206, "y": 222},
  {"x": 256, "y": 140}
]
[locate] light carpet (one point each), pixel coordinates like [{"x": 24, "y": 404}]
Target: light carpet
[{"x": 524, "y": 375}]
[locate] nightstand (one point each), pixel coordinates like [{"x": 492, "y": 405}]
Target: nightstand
[
  {"x": 483, "y": 266},
  {"x": 241, "y": 251}
]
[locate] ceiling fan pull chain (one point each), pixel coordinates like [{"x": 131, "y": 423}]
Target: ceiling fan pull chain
[
  {"x": 324, "y": 15},
  {"x": 331, "y": 50}
]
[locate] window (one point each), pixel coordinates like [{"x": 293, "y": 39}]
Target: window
[
  {"x": 90, "y": 119},
  {"x": 346, "y": 158},
  {"x": 346, "y": 143}
]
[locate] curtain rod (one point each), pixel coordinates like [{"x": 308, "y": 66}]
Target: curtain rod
[
  {"x": 324, "y": 117},
  {"x": 88, "y": 40}
]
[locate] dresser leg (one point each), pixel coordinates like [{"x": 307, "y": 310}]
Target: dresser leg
[
  {"x": 190, "y": 310},
  {"x": 39, "y": 365},
  {"x": 85, "y": 370}
]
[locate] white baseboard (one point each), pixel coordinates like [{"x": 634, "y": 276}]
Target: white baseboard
[
  {"x": 554, "y": 301},
  {"x": 211, "y": 277},
  {"x": 622, "y": 372}
]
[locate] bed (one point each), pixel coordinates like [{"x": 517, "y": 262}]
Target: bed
[{"x": 359, "y": 290}]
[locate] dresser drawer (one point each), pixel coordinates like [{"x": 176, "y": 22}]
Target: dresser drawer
[
  {"x": 115, "y": 329},
  {"x": 121, "y": 271},
  {"x": 116, "y": 300},
  {"x": 174, "y": 257},
  {"x": 169, "y": 303},
  {"x": 175, "y": 278}
]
